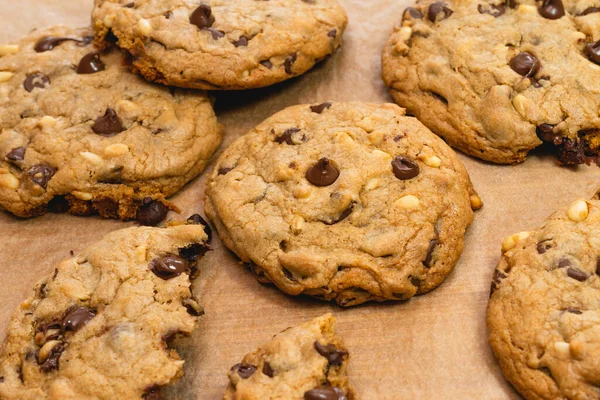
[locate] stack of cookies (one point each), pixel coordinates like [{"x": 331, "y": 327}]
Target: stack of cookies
[{"x": 348, "y": 202}]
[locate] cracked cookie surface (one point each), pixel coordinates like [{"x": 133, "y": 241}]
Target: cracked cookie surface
[
  {"x": 345, "y": 201},
  {"x": 98, "y": 326},
  {"x": 306, "y": 362},
  {"x": 221, "y": 44},
  {"x": 496, "y": 79},
  {"x": 82, "y": 133},
  {"x": 543, "y": 317}
]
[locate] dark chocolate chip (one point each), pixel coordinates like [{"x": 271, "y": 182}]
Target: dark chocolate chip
[
  {"x": 288, "y": 274},
  {"x": 77, "y": 318},
  {"x": 571, "y": 151},
  {"x": 41, "y": 174},
  {"x": 592, "y": 51},
  {"x": 325, "y": 393},
  {"x": 334, "y": 355},
  {"x": 241, "y": 42},
  {"x": 196, "y": 219},
  {"x": 267, "y": 370},
  {"x": 193, "y": 308},
  {"x": 58, "y": 205},
  {"x": 322, "y": 173},
  {"x": 320, "y": 107},
  {"x": 49, "y": 42},
  {"x": 202, "y": 17},
  {"x": 215, "y": 33},
  {"x": 224, "y": 171},
  {"x": 168, "y": 14},
  {"x": 544, "y": 246},
  {"x": 429, "y": 257},
  {"x": 577, "y": 274},
  {"x": 16, "y": 155},
  {"x": 415, "y": 282},
  {"x": 564, "y": 263},
  {"x": 345, "y": 214},
  {"x": 286, "y": 137},
  {"x": 193, "y": 251},
  {"x": 493, "y": 10},
  {"x": 36, "y": 80},
  {"x": 525, "y": 64},
  {"x": 51, "y": 363},
  {"x": 590, "y": 10},
  {"x": 546, "y": 133},
  {"x": 413, "y": 13},
  {"x": 90, "y": 64},
  {"x": 404, "y": 168},
  {"x": 289, "y": 62},
  {"x": 574, "y": 311},
  {"x": 332, "y": 33},
  {"x": 169, "y": 266},
  {"x": 496, "y": 280},
  {"x": 266, "y": 63},
  {"x": 598, "y": 267},
  {"x": 244, "y": 370},
  {"x": 130, "y": 5},
  {"x": 551, "y": 9},
  {"x": 1, "y": 379},
  {"x": 151, "y": 212},
  {"x": 109, "y": 124},
  {"x": 438, "y": 11}
]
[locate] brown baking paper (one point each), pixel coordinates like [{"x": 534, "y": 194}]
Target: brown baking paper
[{"x": 431, "y": 347}]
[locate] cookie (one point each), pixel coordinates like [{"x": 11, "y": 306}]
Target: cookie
[
  {"x": 495, "y": 79},
  {"x": 80, "y": 133},
  {"x": 221, "y": 45},
  {"x": 307, "y": 362},
  {"x": 343, "y": 201},
  {"x": 543, "y": 316}
]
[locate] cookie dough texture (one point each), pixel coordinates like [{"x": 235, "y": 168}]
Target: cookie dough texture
[
  {"x": 229, "y": 44},
  {"x": 368, "y": 235},
  {"x": 102, "y": 137},
  {"x": 543, "y": 317},
  {"x": 454, "y": 74},
  {"x": 119, "y": 350},
  {"x": 290, "y": 365}
]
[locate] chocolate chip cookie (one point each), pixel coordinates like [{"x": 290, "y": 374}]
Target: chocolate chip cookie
[
  {"x": 307, "y": 362},
  {"x": 344, "y": 201},
  {"x": 80, "y": 133},
  {"x": 99, "y": 326},
  {"x": 543, "y": 317},
  {"x": 220, "y": 45},
  {"x": 498, "y": 78}
]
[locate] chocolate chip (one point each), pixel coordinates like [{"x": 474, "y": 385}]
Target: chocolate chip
[
  {"x": 241, "y": 42},
  {"x": 58, "y": 205},
  {"x": 496, "y": 280},
  {"x": 90, "y": 64},
  {"x": 169, "y": 266},
  {"x": 589, "y": 10},
  {"x": 571, "y": 151},
  {"x": 41, "y": 174},
  {"x": 288, "y": 274},
  {"x": 544, "y": 246},
  {"x": 267, "y": 63},
  {"x": 215, "y": 33},
  {"x": 36, "y": 80},
  {"x": 193, "y": 308},
  {"x": 109, "y": 124},
  {"x": 564, "y": 263},
  {"x": 323, "y": 173},
  {"x": 413, "y": 13},
  {"x": 77, "y": 318},
  {"x": 592, "y": 51},
  {"x": 493, "y": 10},
  {"x": 512, "y": 3},
  {"x": 244, "y": 370},
  {"x": 429, "y": 257},
  {"x": 152, "y": 393},
  {"x": 289, "y": 62},
  {"x": 224, "y": 171},
  {"x": 415, "y": 281},
  {"x": 49, "y": 42},
  {"x": 438, "y": 11},
  {"x": 551, "y": 9},
  {"x": 525, "y": 64},
  {"x": 1, "y": 379},
  {"x": 168, "y": 14},
  {"x": 130, "y": 5},
  {"x": 16, "y": 155},
  {"x": 267, "y": 370},
  {"x": 318, "y": 109},
  {"x": 573, "y": 311},
  {"x": 577, "y": 274},
  {"x": 598, "y": 267},
  {"x": 202, "y": 17},
  {"x": 193, "y": 251},
  {"x": 151, "y": 212},
  {"x": 546, "y": 133},
  {"x": 286, "y": 137},
  {"x": 196, "y": 219},
  {"x": 345, "y": 214},
  {"x": 334, "y": 355},
  {"x": 404, "y": 168},
  {"x": 51, "y": 363},
  {"x": 325, "y": 393}
]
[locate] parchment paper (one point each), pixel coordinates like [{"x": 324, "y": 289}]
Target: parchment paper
[{"x": 431, "y": 347}]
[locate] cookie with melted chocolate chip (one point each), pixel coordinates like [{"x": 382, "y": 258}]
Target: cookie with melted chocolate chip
[
  {"x": 98, "y": 326},
  {"x": 343, "y": 201},
  {"x": 80, "y": 133},
  {"x": 306, "y": 362},
  {"x": 498, "y": 78},
  {"x": 543, "y": 315},
  {"x": 221, "y": 45}
]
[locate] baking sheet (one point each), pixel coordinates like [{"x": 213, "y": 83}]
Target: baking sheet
[{"x": 431, "y": 347}]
